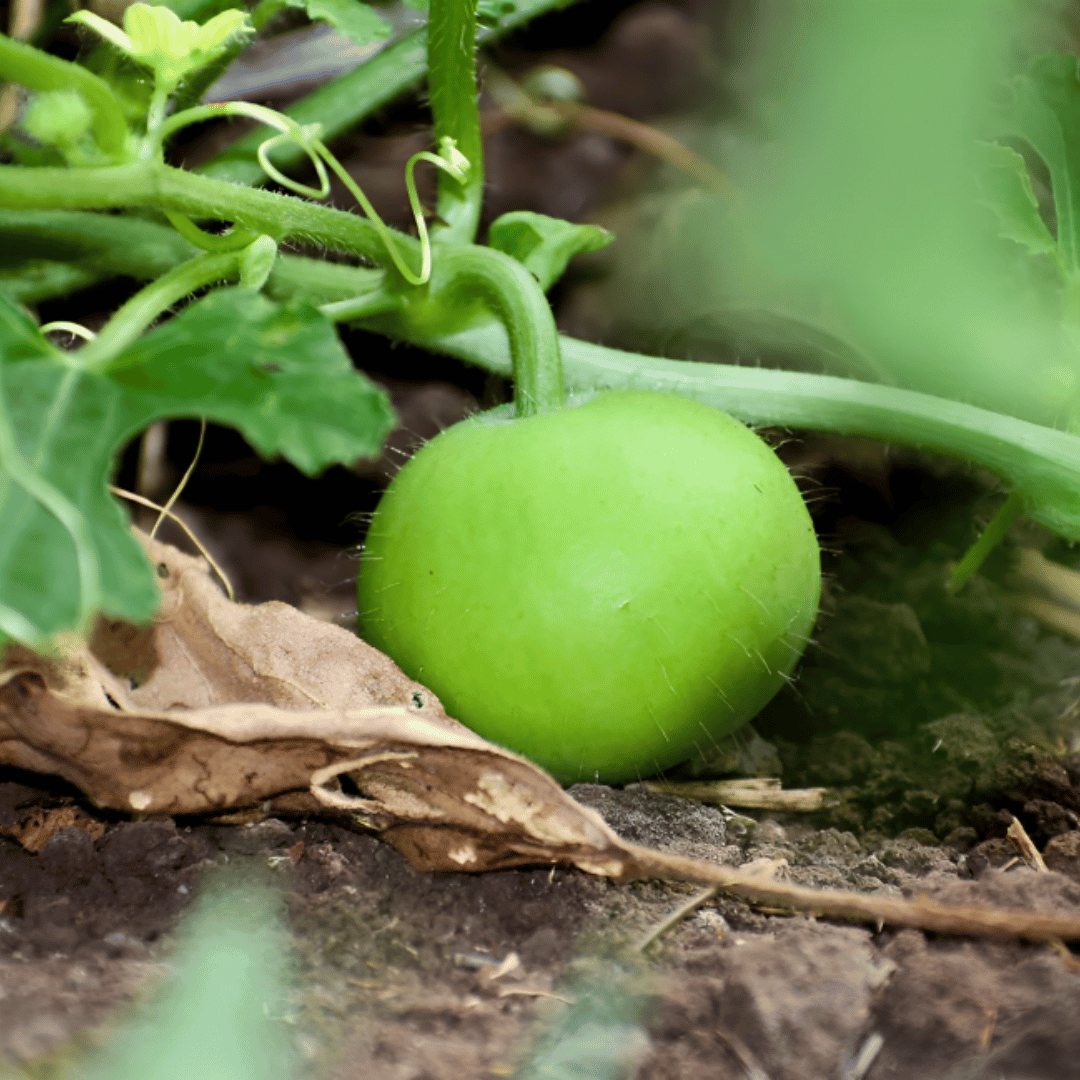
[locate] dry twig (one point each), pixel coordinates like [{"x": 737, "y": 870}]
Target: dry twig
[{"x": 753, "y": 794}]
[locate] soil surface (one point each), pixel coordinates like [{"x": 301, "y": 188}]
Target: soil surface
[
  {"x": 406, "y": 974},
  {"x": 935, "y": 720}
]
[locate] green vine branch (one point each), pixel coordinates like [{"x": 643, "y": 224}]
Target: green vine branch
[
  {"x": 450, "y": 161},
  {"x": 150, "y": 184},
  {"x": 134, "y": 317},
  {"x": 105, "y": 245},
  {"x": 1041, "y": 464},
  {"x": 989, "y": 539}
]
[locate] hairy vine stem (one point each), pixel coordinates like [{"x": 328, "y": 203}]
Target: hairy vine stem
[
  {"x": 128, "y": 324},
  {"x": 155, "y": 185},
  {"x": 512, "y": 292}
]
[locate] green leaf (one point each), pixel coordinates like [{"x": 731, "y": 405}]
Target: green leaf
[
  {"x": 543, "y": 244},
  {"x": 1045, "y": 113},
  {"x": 113, "y": 34},
  {"x": 349, "y": 17},
  {"x": 67, "y": 428},
  {"x": 276, "y": 372},
  {"x": 1007, "y": 189}
]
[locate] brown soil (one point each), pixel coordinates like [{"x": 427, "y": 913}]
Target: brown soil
[{"x": 398, "y": 970}]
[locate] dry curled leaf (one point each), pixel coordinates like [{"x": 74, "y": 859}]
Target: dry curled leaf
[{"x": 218, "y": 707}]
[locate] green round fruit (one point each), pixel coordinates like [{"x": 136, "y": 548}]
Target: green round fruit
[{"x": 605, "y": 589}]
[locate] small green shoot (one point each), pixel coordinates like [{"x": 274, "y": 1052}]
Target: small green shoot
[{"x": 156, "y": 37}]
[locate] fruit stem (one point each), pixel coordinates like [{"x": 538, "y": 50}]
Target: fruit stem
[{"x": 516, "y": 298}]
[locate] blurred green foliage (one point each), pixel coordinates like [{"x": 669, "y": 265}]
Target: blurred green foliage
[
  {"x": 883, "y": 216},
  {"x": 218, "y": 1014}
]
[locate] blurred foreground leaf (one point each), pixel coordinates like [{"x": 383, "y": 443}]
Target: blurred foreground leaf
[
  {"x": 221, "y": 1005},
  {"x": 862, "y": 184},
  {"x": 601, "y": 1036}
]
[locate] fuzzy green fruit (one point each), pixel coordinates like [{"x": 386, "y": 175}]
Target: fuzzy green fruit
[{"x": 604, "y": 589}]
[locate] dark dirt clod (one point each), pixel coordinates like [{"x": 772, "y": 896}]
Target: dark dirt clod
[
  {"x": 925, "y": 709},
  {"x": 935, "y": 1008}
]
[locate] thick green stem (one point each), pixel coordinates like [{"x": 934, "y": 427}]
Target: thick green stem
[
  {"x": 322, "y": 282},
  {"x": 468, "y": 271},
  {"x": 128, "y": 324},
  {"x": 152, "y": 184},
  {"x": 364, "y": 306},
  {"x": 124, "y": 245},
  {"x": 37, "y": 281},
  {"x": 455, "y": 112},
  {"x": 343, "y": 102},
  {"x": 39, "y": 71}
]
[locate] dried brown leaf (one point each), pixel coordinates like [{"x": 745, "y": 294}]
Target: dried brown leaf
[
  {"x": 217, "y": 706},
  {"x": 203, "y": 650}
]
